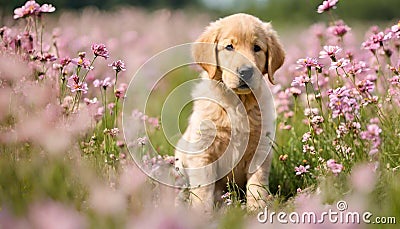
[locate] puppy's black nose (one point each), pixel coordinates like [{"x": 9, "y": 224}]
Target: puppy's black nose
[{"x": 246, "y": 72}]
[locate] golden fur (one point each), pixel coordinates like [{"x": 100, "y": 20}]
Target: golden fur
[{"x": 242, "y": 32}]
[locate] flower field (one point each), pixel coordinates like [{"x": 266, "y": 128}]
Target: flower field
[{"x": 64, "y": 161}]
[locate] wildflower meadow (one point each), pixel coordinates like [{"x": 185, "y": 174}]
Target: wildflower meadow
[{"x": 65, "y": 163}]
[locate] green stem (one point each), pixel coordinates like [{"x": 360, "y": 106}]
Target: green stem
[
  {"x": 116, "y": 100},
  {"x": 116, "y": 113},
  {"x": 309, "y": 120},
  {"x": 332, "y": 17},
  {"x": 90, "y": 66},
  {"x": 76, "y": 101},
  {"x": 62, "y": 84},
  {"x": 105, "y": 108},
  {"x": 103, "y": 117},
  {"x": 319, "y": 100}
]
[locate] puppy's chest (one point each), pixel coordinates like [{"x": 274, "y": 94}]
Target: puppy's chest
[
  {"x": 241, "y": 128},
  {"x": 248, "y": 122}
]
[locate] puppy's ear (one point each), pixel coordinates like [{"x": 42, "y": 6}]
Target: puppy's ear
[
  {"x": 204, "y": 51},
  {"x": 275, "y": 55}
]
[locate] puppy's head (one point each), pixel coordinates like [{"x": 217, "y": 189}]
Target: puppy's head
[{"x": 235, "y": 49}]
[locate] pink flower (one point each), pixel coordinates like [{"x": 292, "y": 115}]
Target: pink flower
[
  {"x": 283, "y": 101},
  {"x": 30, "y": 8},
  {"x": 388, "y": 35},
  {"x": 65, "y": 61},
  {"x": 294, "y": 91},
  {"x": 103, "y": 83},
  {"x": 301, "y": 169},
  {"x": 90, "y": 101},
  {"x": 308, "y": 148},
  {"x": 342, "y": 102},
  {"x": 374, "y": 120},
  {"x": 227, "y": 198},
  {"x": 111, "y": 107},
  {"x": 114, "y": 132},
  {"x": 300, "y": 81},
  {"x": 99, "y": 114},
  {"x": 120, "y": 91},
  {"x": 375, "y": 41},
  {"x": 141, "y": 141},
  {"x": 52, "y": 214},
  {"x": 308, "y": 62},
  {"x": 395, "y": 80},
  {"x": 395, "y": 69},
  {"x": 121, "y": 144},
  {"x": 372, "y": 134},
  {"x": 100, "y": 50},
  {"x": 395, "y": 30},
  {"x": 370, "y": 45},
  {"x": 334, "y": 167},
  {"x": 379, "y": 37},
  {"x": 311, "y": 111},
  {"x": 373, "y": 130},
  {"x": 47, "y": 8},
  {"x": 329, "y": 51},
  {"x": 339, "y": 29},
  {"x": 317, "y": 120},
  {"x": 288, "y": 114},
  {"x": 282, "y": 126},
  {"x": 365, "y": 86},
  {"x": 357, "y": 68},
  {"x": 118, "y": 66},
  {"x": 364, "y": 177},
  {"x": 342, "y": 62},
  {"x": 226, "y": 195},
  {"x": 82, "y": 61},
  {"x": 74, "y": 85},
  {"x": 154, "y": 122},
  {"x": 48, "y": 57},
  {"x": 306, "y": 137},
  {"x": 327, "y": 5},
  {"x": 33, "y": 8}
]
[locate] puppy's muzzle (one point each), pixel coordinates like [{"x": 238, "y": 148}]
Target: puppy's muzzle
[{"x": 245, "y": 73}]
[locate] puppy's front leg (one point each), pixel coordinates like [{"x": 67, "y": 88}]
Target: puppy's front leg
[
  {"x": 202, "y": 198},
  {"x": 257, "y": 186},
  {"x": 201, "y": 181}
]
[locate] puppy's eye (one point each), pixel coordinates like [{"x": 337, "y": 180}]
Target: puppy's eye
[
  {"x": 229, "y": 47},
  {"x": 256, "y": 48}
]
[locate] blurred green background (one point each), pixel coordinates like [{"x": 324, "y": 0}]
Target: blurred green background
[{"x": 281, "y": 11}]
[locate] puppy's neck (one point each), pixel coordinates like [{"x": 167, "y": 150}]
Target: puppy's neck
[{"x": 249, "y": 101}]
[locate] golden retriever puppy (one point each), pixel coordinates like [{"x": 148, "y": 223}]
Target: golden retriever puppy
[{"x": 230, "y": 128}]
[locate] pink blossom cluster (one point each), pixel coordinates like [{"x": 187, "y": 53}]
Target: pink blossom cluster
[
  {"x": 339, "y": 29},
  {"x": 336, "y": 168},
  {"x": 152, "y": 121},
  {"x": 349, "y": 83},
  {"x": 227, "y": 197},
  {"x": 161, "y": 165},
  {"x": 75, "y": 85},
  {"x": 301, "y": 169},
  {"x": 100, "y": 50},
  {"x": 343, "y": 102},
  {"x": 372, "y": 134},
  {"x": 327, "y": 5},
  {"x": 31, "y": 8}
]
